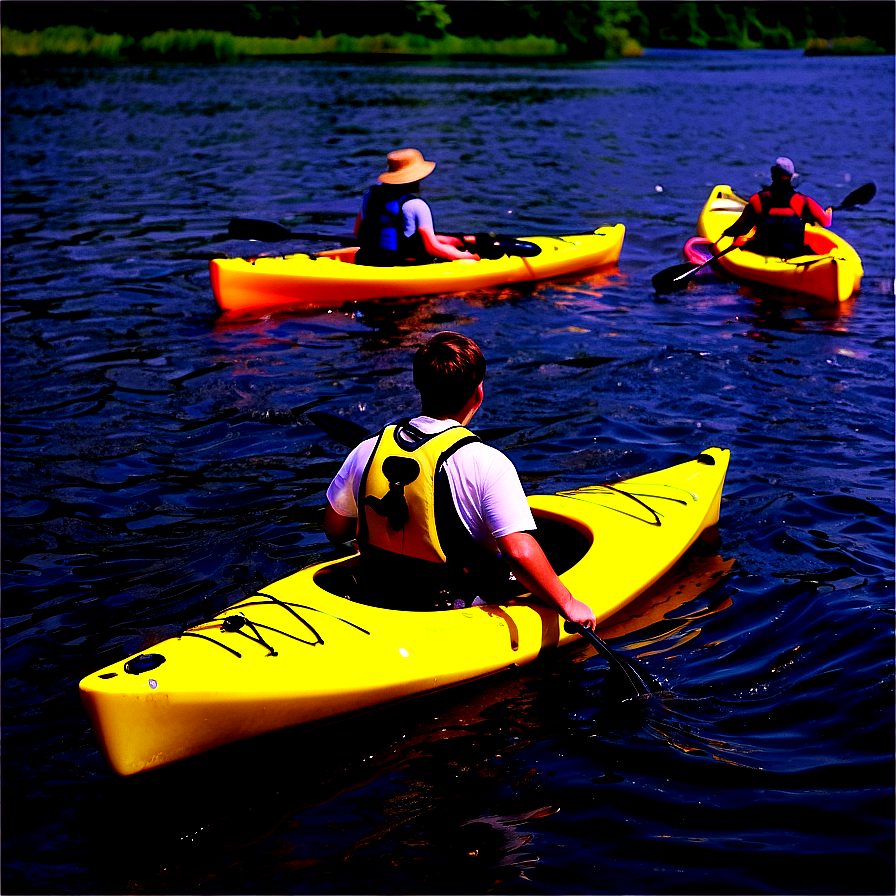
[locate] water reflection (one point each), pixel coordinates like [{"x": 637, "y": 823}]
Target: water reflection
[{"x": 158, "y": 465}]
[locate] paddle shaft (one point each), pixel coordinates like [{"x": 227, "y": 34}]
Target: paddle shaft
[
  {"x": 642, "y": 684},
  {"x": 486, "y": 245},
  {"x": 269, "y": 232},
  {"x": 679, "y": 275},
  {"x": 731, "y": 248}
]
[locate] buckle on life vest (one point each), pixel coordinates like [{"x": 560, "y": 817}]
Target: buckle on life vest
[{"x": 399, "y": 471}]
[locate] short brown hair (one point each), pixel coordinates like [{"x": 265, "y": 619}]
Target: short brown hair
[{"x": 447, "y": 371}]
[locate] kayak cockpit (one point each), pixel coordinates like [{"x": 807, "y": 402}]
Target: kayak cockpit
[
  {"x": 820, "y": 243},
  {"x": 348, "y": 255},
  {"x": 564, "y": 544}
]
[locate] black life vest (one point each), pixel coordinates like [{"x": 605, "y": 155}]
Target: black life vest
[
  {"x": 780, "y": 228},
  {"x": 381, "y": 232}
]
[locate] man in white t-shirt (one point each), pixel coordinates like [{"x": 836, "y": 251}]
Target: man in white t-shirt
[
  {"x": 425, "y": 496},
  {"x": 394, "y": 225}
]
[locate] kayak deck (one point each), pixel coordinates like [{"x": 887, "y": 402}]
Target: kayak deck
[
  {"x": 329, "y": 279},
  {"x": 300, "y": 651},
  {"x": 831, "y": 272}
]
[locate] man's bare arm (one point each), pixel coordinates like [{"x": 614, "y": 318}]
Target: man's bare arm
[{"x": 531, "y": 567}]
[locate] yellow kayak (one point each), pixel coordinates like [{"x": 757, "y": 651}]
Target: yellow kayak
[
  {"x": 308, "y": 647},
  {"x": 833, "y": 272},
  {"x": 329, "y": 279}
]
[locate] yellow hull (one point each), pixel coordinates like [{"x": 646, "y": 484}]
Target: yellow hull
[
  {"x": 833, "y": 273},
  {"x": 329, "y": 279},
  {"x": 325, "y": 655}
]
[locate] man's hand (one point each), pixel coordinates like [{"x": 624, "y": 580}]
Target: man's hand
[
  {"x": 576, "y": 611},
  {"x": 448, "y": 247}
]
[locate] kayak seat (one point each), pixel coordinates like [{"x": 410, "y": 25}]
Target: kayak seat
[{"x": 563, "y": 544}]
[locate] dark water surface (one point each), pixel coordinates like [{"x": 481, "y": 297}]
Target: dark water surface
[{"x": 153, "y": 474}]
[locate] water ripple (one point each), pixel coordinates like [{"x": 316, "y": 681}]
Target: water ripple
[{"x": 158, "y": 466}]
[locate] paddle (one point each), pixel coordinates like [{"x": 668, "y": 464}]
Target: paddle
[
  {"x": 269, "y": 232},
  {"x": 679, "y": 275},
  {"x": 350, "y": 434},
  {"x": 640, "y": 680},
  {"x": 485, "y": 245},
  {"x": 343, "y": 431},
  {"x": 859, "y": 196}
]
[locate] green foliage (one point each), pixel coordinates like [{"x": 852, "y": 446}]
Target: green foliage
[
  {"x": 432, "y": 18},
  {"x": 842, "y": 46},
  {"x": 64, "y": 41},
  {"x": 771, "y": 37},
  {"x": 582, "y": 29},
  {"x": 590, "y": 30},
  {"x": 398, "y": 44},
  {"x": 786, "y": 25},
  {"x": 207, "y": 46},
  {"x": 680, "y": 27},
  {"x": 734, "y": 34},
  {"x": 216, "y": 46}
]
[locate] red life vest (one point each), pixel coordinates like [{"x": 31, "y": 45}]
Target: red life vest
[{"x": 780, "y": 228}]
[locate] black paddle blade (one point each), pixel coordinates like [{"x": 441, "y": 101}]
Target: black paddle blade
[
  {"x": 338, "y": 428},
  {"x": 859, "y": 196},
  {"x": 674, "y": 278},
  {"x": 253, "y": 229},
  {"x": 640, "y": 680}
]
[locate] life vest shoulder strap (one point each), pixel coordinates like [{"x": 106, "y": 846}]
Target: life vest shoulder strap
[{"x": 765, "y": 203}]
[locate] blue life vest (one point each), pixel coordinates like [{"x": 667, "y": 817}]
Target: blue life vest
[{"x": 381, "y": 232}]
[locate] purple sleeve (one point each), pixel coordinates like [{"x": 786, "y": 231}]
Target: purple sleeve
[{"x": 417, "y": 214}]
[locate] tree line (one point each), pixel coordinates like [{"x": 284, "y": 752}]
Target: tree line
[{"x": 585, "y": 28}]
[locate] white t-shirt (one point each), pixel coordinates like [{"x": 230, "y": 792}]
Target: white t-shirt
[
  {"x": 415, "y": 213},
  {"x": 484, "y": 484}
]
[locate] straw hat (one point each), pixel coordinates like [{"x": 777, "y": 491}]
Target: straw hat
[{"x": 405, "y": 167}]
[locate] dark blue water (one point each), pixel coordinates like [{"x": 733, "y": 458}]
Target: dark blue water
[{"x": 157, "y": 466}]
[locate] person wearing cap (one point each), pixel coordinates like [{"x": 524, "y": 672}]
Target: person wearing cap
[
  {"x": 780, "y": 214},
  {"x": 395, "y": 225},
  {"x": 440, "y": 517}
]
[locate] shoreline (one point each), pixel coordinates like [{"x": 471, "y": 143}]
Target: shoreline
[{"x": 75, "y": 44}]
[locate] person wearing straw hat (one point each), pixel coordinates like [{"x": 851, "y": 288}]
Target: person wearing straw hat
[
  {"x": 394, "y": 224},
  {"x": 780, "y": 214}
]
